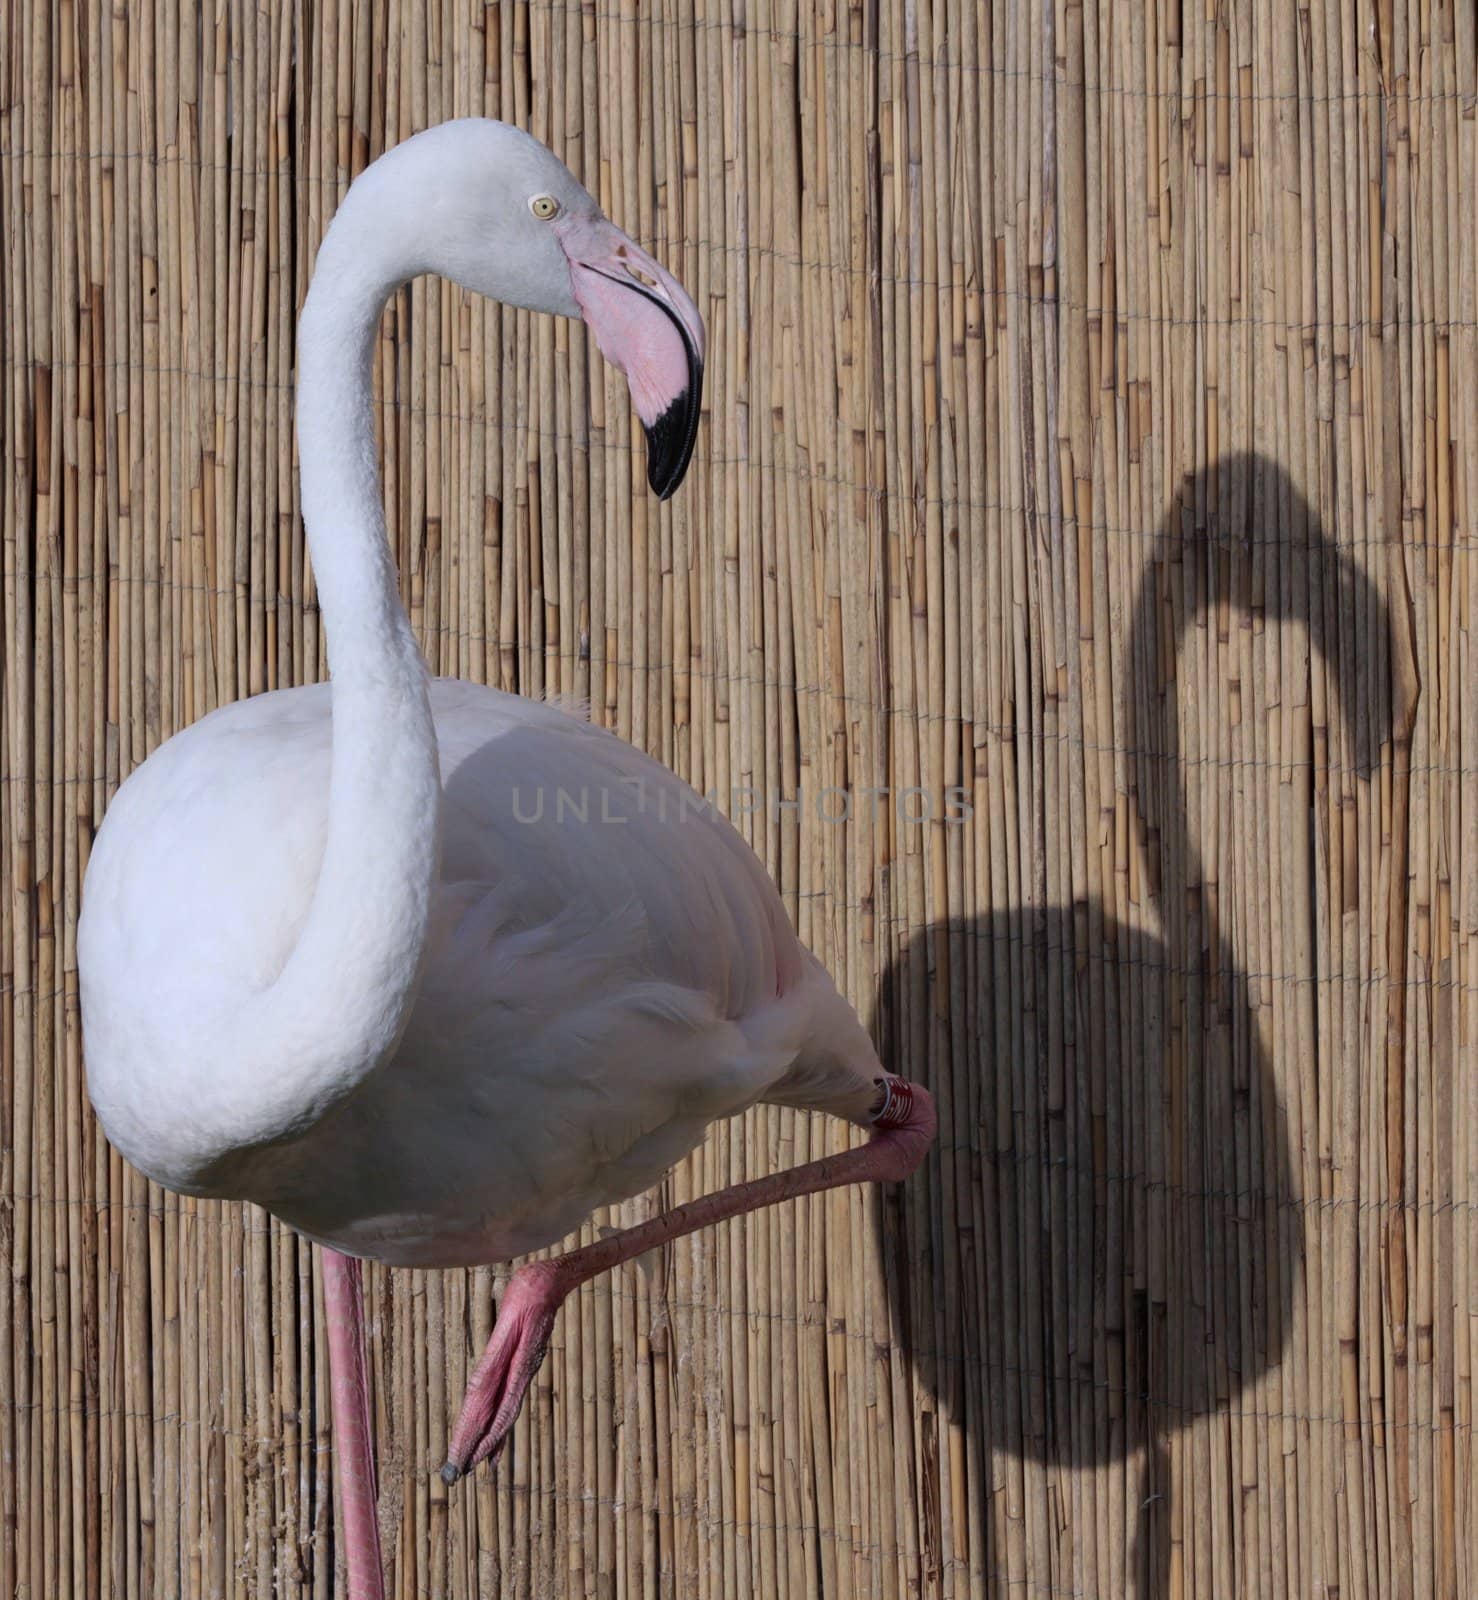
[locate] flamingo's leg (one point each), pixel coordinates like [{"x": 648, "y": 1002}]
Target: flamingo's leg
[
  {"x": 903, "y": 1129},
  {"x": 354, "y": 1457}
]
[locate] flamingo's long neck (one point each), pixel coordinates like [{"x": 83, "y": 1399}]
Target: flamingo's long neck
[{"x": 343, "y": 995}]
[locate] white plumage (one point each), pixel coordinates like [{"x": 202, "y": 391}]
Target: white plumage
[{"x": 608, "y": 969}]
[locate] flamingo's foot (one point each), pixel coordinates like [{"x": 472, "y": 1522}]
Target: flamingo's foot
[{"x": 496, "y": 1391}]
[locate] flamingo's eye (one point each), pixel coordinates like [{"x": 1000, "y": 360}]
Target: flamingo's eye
[{"x": 544, "y": 206}]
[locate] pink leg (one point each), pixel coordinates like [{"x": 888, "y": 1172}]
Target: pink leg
[
  {"x": 903, "y": 1126},
  {"x": 352, "y": 1447}
]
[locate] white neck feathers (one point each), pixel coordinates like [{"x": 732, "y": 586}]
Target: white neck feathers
[{"x": 338, "y": 1006}]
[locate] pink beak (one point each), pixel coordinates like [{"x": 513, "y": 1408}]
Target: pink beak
[{"x": 646, "y": 325}]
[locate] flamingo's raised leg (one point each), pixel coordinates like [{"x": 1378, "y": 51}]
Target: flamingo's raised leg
[{"x": 903, "y": 1128}]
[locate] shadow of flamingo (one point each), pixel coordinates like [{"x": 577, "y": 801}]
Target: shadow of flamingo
[{"x": 1125, "y": 1220}]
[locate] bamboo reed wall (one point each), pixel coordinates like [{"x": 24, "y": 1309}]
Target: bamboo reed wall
[{"x": 1093, "y": 425}]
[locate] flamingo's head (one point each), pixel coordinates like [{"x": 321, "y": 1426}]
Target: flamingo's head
[{"x": 488, "y": 206}]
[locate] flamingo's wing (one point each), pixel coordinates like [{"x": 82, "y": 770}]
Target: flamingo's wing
[{"x": 604, "y": 977}]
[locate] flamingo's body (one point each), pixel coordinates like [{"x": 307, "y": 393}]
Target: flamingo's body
[
  {"x": 608, "y": 969},
  {"x": 427, "y": 970}
]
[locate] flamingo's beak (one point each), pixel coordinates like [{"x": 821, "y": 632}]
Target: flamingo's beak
[{"x": 646, "y": 325}]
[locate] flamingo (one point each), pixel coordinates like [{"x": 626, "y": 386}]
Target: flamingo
[{"x": 337, "y": 958}]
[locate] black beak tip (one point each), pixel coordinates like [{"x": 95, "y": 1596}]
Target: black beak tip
[
  {"x": 670, "y": 439},
  {"x": 662, "y": 484}
]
